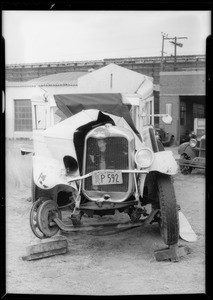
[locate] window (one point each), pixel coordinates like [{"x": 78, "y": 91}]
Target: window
[
  {"x": 23, "y": 115},
  {"x": 198, "y": 110},
  {"x": 183, "y": 113},
  {"x": 58, "y": 115}
]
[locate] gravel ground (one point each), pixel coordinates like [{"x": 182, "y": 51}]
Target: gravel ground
[{"x": 119, "y": 264}]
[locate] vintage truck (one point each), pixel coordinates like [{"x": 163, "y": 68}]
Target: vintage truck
[
  {"x": 97, "y": 154},
  {"x": 193, "y": 152}
]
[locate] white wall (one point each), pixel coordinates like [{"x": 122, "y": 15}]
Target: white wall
[
  {"x": 110, "y": 79},
  {"x": 23, "y": 92}
]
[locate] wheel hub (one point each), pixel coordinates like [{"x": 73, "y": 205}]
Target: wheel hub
[
  {"x": 46, "y": 212},
  {"x": 41, "y": 218}
]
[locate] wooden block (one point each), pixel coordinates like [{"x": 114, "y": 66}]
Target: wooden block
[
  {"x": 46, "y": 249},
  {"x": 173, "y": 253},
  {"x": 40, "y": 255}
]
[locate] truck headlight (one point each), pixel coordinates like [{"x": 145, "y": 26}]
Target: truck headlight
[
  {"x": 193, "y": 143},
  {"x": 144, "y": 157}
]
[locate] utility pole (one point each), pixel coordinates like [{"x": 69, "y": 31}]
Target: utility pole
[
  {"x": 174, "y": 41},
  {"x": 175, "y": 49},
  {"x": 165, "y": 37}
]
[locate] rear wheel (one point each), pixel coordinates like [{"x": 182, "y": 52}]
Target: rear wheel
[{"x": 168, "y": 221}]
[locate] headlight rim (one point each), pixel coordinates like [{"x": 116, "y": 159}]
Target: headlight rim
[
  {"x": 152, "y": 159},
  {"x": 191, "y": 143}
]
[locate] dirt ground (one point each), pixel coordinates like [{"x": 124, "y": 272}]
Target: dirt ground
[{"x": 119, "y": 264}]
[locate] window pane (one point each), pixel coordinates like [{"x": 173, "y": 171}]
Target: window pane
[{"x": 23, "y": 115}]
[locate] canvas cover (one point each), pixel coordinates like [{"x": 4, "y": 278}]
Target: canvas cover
[{"x": 71, "y": 104}]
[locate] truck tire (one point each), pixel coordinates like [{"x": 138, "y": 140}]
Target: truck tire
[{"x": 168, "y": 221}]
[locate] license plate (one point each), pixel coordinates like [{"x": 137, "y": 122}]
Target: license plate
[{"x": 107, "y": 178}]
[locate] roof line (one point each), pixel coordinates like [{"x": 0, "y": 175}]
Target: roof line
[{"x": 105, "y": 60}]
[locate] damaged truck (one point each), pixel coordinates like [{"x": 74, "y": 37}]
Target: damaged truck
[{"x": 97, "y": 154}]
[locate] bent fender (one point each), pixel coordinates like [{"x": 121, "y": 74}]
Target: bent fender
[
  {"x": 49, "y": 172},
  {"x": 164, "y": 162}
]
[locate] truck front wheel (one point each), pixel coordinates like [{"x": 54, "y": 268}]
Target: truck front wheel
[{"x": 168, "y": 220}]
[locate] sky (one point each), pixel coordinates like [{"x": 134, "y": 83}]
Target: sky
[{"x": 55, "y": 36}]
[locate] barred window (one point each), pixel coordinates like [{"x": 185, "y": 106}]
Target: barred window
[
  {"x": 198, "y": 110},
  {"x": 183, "y": 113},
  {"x": 23, "y": 115}
]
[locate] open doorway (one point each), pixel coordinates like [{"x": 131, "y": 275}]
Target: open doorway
[{"x": 191, "y": 107}]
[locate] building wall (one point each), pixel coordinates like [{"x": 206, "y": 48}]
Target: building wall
[
  {"x": 174, "y": 126},
  {"x": 176, "y": 84},
  {"x": 24, "y": 92},
  {"x": 110, "y": 79},
  {"x": 182, "y": 83},
  {"x": 149, "y": 66}
]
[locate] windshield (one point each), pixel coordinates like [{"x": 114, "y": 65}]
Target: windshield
[
  {"x": 71, "y": 104},
  {"x": 58, "y": 115}
]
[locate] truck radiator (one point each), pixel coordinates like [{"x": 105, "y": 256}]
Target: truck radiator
[{"x": 114, "y": 157}]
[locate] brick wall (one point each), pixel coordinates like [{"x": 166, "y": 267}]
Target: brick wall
[
  {"x": 149, "y": 66},
  {"x": 176, "y": 84}
]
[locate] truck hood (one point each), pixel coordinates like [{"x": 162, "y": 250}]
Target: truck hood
[
  {"x": 111, "y": 103},
  {"x": 67, "y": 128}
]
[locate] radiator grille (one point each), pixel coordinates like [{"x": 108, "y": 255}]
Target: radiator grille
[{"x": 115, "y": 157}]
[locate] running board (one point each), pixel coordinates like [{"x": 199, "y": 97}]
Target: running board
[{"x": 189, "y": 163}]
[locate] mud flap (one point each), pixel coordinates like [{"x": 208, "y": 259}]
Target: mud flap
[
  {"x": 186, "y": 232},
  {"x": 46, "y": 249}
]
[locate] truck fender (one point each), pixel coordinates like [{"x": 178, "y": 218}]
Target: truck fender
[
  {"x": 182, "y": 147},
  {"x": 49, "y": 172},
  {"x": 164, "y": 162},
  {"x": 186, "y": 148}
]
